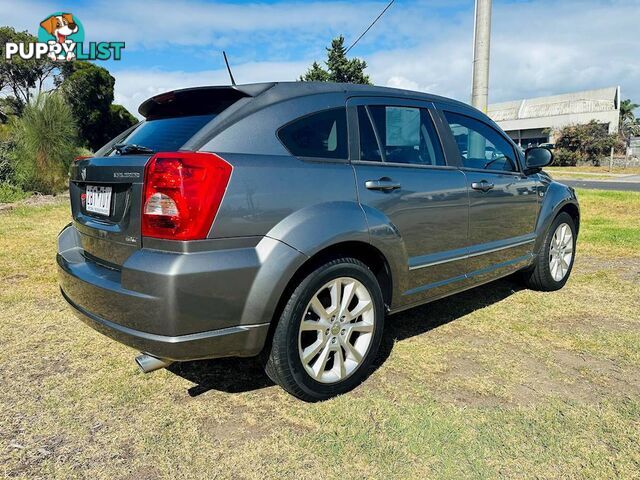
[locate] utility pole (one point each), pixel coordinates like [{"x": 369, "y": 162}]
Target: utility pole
[{"x": 481, "y": 44}]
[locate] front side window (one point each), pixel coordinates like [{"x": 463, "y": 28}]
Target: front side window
[
  {"x": 406, "y": 134},
  {"x": 481, "y": 147},
  {"x": 319, "y": 135}
]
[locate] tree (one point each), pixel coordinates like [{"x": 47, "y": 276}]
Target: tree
[
  {"x": 119, "y": 120},
  {"x": 316, "y": 74},
  {"x": 584, "y": 143},
  {"x": 626, "y": 110},
  {"x": 45, "y": 143},
  {"x": 339, "y": 67},
  {"x": 88, "y": 89},
  {"x": 22, "y": 78},
  {"x": 629, "y": 126}
]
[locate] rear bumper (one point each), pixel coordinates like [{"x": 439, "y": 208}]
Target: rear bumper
[
  {"x": 179, "y": 306},
  {"x": 227, "y": 342}
]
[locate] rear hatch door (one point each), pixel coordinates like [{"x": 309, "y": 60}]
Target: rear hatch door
[
  {"x": 105, "y": 203},
  {"x": 107, "y": 190}
]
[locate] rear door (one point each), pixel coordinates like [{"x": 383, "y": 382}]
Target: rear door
[
  {"x": 401, "y": 172},
  {"x": 503, "y": 203}
]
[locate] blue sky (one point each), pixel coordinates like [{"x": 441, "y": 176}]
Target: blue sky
[{"x": 538, "y": 47}]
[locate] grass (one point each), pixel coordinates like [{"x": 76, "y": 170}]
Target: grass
[
  {"x": 495, "y": 382},
  {"x": 610, "y": 222}
]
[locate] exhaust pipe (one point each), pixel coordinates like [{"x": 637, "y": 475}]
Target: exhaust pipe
[{"x": 149, "y": 363}]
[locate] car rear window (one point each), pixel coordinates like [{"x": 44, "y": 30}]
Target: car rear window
[
  {"x": 167, "y": 134},
  {"x": 407, "y": 135},
  {"x": 319, "y": 135},
  {"x": 369, "y": 148}
]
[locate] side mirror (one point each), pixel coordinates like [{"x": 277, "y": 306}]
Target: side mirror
[{"x": 537, "y": 157}]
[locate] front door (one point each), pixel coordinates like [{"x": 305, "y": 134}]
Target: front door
[
  {"x": 503, "y": 203},
  {"x": 402, "y": 174}
]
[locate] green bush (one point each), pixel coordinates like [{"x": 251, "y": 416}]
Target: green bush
[
  {"x": 586, "y": 143},
  {"x": 46, "y": 143},
  {"x": 10, "y": 193},
  {"x": 565, "y": 158},
  {"x": 7, "y": 171}
]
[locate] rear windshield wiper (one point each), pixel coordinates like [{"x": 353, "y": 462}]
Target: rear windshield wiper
[{"x": 124, "y": 148}]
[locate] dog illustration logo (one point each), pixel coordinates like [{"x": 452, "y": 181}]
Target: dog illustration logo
[{"x": 62, "y": 28}]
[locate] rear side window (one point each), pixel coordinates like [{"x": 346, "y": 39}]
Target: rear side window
[
  {"x": 167, "y": 134},
  {"x": 319, "y": 135},
  {"x": 407, "y": 135}
]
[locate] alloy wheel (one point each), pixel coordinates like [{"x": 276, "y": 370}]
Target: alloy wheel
[
  {"x": 561, "y": 252},
  {"x": 336, "y": 330}
]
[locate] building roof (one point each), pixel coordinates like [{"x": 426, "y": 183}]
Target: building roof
[{"x": 587, "y": 102}]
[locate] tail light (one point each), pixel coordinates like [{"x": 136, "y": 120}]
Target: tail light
[{"x": 182, "y": 194}]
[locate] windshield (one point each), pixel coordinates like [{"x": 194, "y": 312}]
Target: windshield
[{"x": 166, "y": 134}]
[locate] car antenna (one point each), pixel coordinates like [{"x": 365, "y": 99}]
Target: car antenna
[{"x": 224, "y": 54}]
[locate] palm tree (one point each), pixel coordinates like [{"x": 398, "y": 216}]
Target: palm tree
[
  {"x": 626, "y": 110},
  {"x": 628, "y": 123}
]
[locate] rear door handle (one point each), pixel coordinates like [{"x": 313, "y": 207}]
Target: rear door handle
[
  {"x": 384, "y": 184},
  {"x": 483, "y": 186}
]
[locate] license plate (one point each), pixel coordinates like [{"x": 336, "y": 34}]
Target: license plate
[{"x": 99, "y": 200}]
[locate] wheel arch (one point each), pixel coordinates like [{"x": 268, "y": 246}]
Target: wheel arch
[
  {"x": 365, "y": 252},
  {"x": 573, "y": 211},
  {"x": 329, "y": 230},
  {"x": 558, "y": 198},
  {"x": 371, "y": 256}
]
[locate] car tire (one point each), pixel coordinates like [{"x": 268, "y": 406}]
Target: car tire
[
  {"x": 554, "y": 263},
  {"x": 322, "y": 347}
]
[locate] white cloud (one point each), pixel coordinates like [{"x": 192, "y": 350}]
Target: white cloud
[{"x": 402, "y": 82}]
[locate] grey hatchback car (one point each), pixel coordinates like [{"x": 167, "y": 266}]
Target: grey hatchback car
[{"x": 286, "y": 220}]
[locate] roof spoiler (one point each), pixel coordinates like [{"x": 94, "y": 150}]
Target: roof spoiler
[{"x": 198, "y": 100}]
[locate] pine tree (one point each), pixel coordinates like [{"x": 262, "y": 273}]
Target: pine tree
[
  {"x": 339, "y": 67},
  {"x": 316, "y": 74}
]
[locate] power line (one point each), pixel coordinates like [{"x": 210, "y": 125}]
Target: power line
[{"x": 369, "y": 27}]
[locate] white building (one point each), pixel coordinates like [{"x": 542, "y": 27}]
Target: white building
[{"x": 532, "y": 121}]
